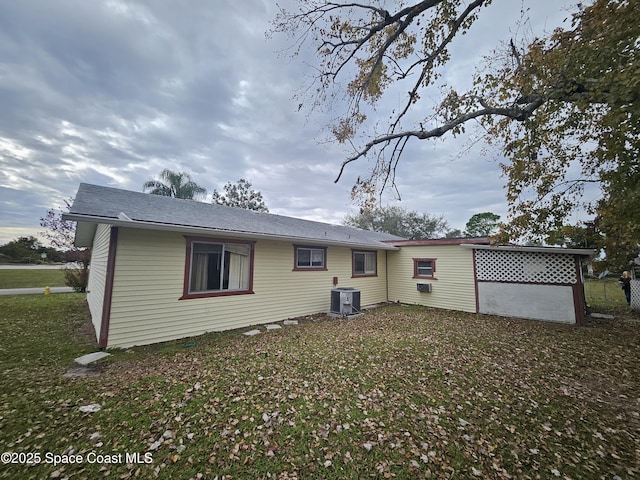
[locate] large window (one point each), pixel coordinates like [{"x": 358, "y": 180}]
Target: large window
[
  {"x": 365, "y": 263},
  {"x": 218, "y": 268},
  {"x": 424, "y": 268},
  {"x": 309, "y": 258}
]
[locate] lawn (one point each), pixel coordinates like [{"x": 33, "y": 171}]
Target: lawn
[
  {"x": 401, "y": 392},
  {"x": 26, "y": 278},
  {"x": 605, "y": 295}
]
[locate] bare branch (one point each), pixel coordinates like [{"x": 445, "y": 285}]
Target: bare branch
[
  {"x": 515, "y": 53},
  {"x": 387, "y": 20},
  {"x": 411, "y": 14},
  {"x": 428, "y": 62},
  {"x": 515, "y": 113}
]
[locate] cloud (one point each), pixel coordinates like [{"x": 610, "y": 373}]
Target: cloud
[{"x": 113, "y": 92}]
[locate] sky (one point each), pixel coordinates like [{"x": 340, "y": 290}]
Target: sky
[{"x": 112, "y": 92}]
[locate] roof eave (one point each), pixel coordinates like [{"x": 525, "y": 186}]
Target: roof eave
[
  {"x": 194, "y": 230},
  {"x": 587, "y": 252},
  {"x": 438, "y": 241}
]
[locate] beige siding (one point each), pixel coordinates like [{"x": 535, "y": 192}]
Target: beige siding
[
  {"x": 98, "y": 275},
  {"x": 453, "y": 287},
  {"x": 149, "y": 278}
]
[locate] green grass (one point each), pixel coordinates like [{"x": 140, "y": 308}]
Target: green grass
[
  {"x": 401, "y": 392},
  {"x": 27, "y": 278},
  {"x": 605, "y": 296}
]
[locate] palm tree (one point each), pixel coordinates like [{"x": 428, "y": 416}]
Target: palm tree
[{"x": 174, "y": 184}]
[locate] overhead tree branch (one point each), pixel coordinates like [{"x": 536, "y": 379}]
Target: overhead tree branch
[
  {"x": 430, "y": 59},
  {"x": 567, "y": 99},
  {"x": 515, "y": 113}
]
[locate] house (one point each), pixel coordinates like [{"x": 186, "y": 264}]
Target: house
[
  {"x": 165, "y": 268},
  {"x": 539, "y": 283}
]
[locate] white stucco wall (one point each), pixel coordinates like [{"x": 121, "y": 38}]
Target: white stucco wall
[{"x": 541, "y": 302}]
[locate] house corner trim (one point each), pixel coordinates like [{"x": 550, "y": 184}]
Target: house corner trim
[{"x": 108, "y": 288}]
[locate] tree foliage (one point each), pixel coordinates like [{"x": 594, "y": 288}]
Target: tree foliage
[
  {"x": 575, "y": 236},
  {"x": 620, "y": 253},
  {"x": 61, "y": 234},
  {"x": 240, "y": 195},
  {"x": 564, "y": 108},
  {"x": 617, "y": 219},
  {"x": 398, "y": 221},
  {"x": 586, "y": 130},
  {"x": 482, "y": 225},
  {"x": 176, "y": 185}
]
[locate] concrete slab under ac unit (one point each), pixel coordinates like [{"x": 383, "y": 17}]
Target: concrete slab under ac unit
[{"x": 339, "y": 315}]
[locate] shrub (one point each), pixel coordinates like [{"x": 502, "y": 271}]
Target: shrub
[{"x": 77, "y": 278}]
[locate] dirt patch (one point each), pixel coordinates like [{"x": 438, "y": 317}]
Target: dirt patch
[
  {"x": 89, "y": 370},
  {"x": 85, "y": 334}
]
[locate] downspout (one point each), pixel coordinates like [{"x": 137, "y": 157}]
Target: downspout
[
  {"x": 108, "y": 288},
  {"x": 475, "y": 278},
  {"x": 386, "y": 273}
]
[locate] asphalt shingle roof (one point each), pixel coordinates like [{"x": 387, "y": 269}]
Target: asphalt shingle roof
[{"x": 97, "y": 204}]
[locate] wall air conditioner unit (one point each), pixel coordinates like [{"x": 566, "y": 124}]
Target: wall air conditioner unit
[
  {"x": 425, "y": 287},
  {"x": 345, "y": 301}
]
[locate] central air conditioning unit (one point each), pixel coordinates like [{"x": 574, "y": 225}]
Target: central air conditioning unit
[{"x": 345, "y": 301}]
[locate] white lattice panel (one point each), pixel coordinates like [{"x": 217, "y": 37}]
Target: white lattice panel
[
  {"x": 525, "y": 267},
  {"x": 635, "y": 295}
]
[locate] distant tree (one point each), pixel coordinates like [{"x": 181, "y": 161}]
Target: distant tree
[
  {"x": 482, "y": 225},
  {"x": 29, "y": 250},
  {"x": 240, "y": 195},
  {"x": 455, "y": 233},
  {"x": 176, "y": 185},
  {"x": 398, "y": 221},
  {"x": 61, "y": 234},
  {"x": 22, "y": 250}
]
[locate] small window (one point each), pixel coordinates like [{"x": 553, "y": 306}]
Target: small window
[
  {"x": 217, "y": 268},
  {"x": 365, "y": 263},
  {"x": 424, "y": 267},
  {"x": 309, "y": 258}
]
